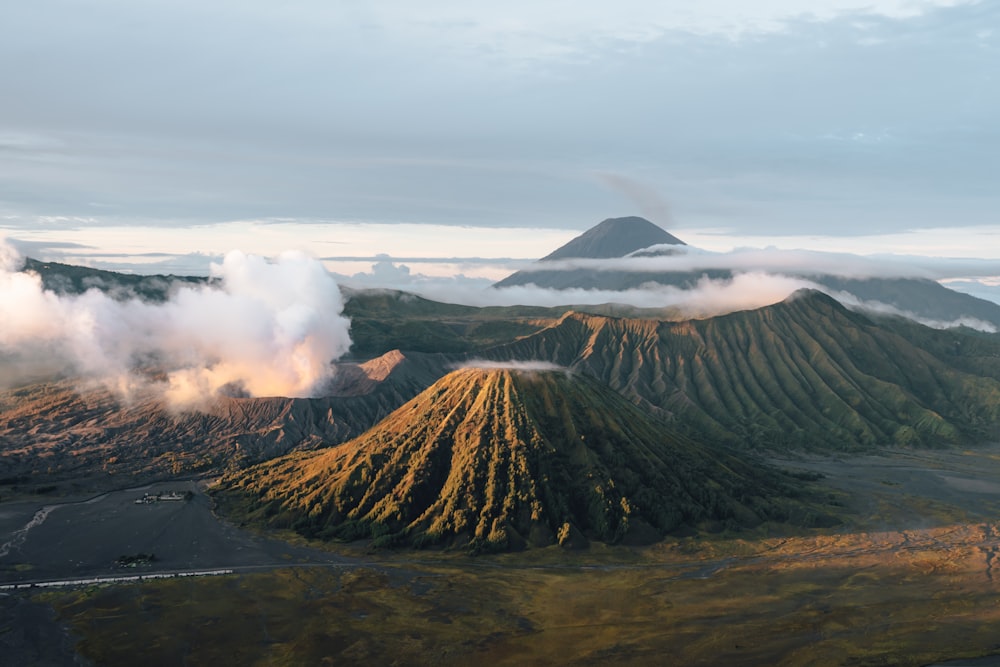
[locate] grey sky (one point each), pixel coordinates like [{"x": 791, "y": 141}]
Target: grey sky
[{"x": 777, "y": 119}]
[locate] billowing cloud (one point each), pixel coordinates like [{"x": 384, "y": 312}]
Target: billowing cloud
[
  {"x": 708, "y": 297},
  {"x": 262, "y": 328}
]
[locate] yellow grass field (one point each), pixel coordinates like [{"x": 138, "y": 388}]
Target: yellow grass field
[{"x": 892, "y": 598}]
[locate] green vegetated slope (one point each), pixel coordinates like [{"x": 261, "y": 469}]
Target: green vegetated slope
[
  {"x": 499, "y": 459},
  {"x": 965, "y": 349},
  {"x": 385, "y": 320},
  {"x": 70, "y": 279},
  {"x": 804, "y": 373}
]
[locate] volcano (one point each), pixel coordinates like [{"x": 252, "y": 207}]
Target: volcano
[
  {"x": 619, "y": 237},
  {"x": 614, "y": 237},
  {"x": 498, "y": 459}
]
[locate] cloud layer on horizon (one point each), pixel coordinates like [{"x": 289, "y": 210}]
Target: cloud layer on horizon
[
  {"x": 791, "y": 262},
  {"x": 759, "y": 277},
  {"x": 273, "y": 327}
]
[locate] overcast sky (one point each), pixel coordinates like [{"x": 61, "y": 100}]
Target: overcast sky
[{"x": 251, "y": 123}]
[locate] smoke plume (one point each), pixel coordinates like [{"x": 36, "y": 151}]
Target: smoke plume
[
  {"x": 649, "y": 202},
  {"x": 262, "y": 328}
]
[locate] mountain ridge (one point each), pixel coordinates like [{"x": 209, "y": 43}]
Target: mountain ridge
[
  {"x": 804, "y": 373},
  {"x": 79, "y": 432},
  {"x": 497, "y": 459}
]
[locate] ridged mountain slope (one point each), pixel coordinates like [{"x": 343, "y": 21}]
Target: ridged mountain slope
[
  {"x": 74, "y": 431},
  {"x": 803, "y": 373},
  {"x": 499, "y": 458}
]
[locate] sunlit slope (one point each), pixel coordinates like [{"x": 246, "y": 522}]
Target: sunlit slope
[
  {"x": 802, "y": 373},
  {"x": 499, "y": 459},
  {"x": 76, "y": 431}
]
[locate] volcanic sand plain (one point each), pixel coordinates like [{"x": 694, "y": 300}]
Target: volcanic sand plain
[
  {"x": 907, "y": 580},
  {"x": 77, "y": 538}
]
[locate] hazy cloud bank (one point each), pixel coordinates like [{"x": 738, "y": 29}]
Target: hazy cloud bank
[
  {"x": 780, "y": 261},
  {"x": 746, "y": 289},
  {"x": 879, "y": 308},
  {"x": 709, "y": 297},
  {"x": 265, "y": 328}
]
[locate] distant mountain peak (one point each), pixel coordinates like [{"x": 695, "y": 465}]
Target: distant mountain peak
[{"x": 615, "y": 237}]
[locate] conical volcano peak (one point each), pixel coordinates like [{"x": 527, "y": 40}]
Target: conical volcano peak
[
  {"x": 615, "y": 237},
  {"x": 502, "y": 458}
]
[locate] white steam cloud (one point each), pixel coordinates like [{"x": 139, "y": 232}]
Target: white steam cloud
[
  {"x": 512, "y": 365},
  {"x": 265, "y": 328},
  {"x": 708, "y": 297}
]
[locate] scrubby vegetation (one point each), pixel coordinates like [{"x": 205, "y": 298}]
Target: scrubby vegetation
[
  {"x": 384, "y": 320},
  {"x": 864, "y": 599}
]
